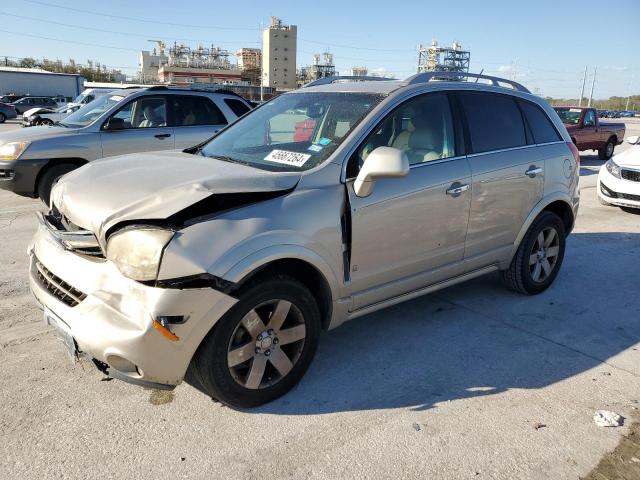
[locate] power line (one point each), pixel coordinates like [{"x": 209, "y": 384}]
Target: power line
[
  {"x": 20, "y": 34},
  {"x": 150, "y": 35},
  {"x": 134, "y": 19}
]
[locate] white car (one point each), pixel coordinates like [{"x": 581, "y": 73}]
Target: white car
[
  {"x": 47, "y": 116},
  {"x": 619, "y": 178}
]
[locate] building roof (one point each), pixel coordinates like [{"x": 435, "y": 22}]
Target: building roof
[{"x": 36, "y": 70}]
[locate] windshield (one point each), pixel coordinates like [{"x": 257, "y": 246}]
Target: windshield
[
  {"x": 91, "y": 111},
  {"x": 296, "y": 131},
  {"x": 570, "y": 116}
]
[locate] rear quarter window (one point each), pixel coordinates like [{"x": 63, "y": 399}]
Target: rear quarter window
[
  {"x": 236, "y": 106},
  {"x": 541, "y": 127},
  {"x": 494, "y": 121}
]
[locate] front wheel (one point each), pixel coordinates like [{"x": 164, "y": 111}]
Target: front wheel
[
  {"x": 50, "y": 177},
  {"x": 539, "y": 256},
  {"x": 2, "y": 117},
  {"x": 262, "y": 347},
  {"x": 606, "y": 152}
]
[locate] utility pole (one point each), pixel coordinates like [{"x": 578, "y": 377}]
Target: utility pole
[
  {"x": 593, "y": 82},
  {"x": 261, "y": 63},
  {"x": 629, "y": 93},
  {"x": 584, "y": 80}
]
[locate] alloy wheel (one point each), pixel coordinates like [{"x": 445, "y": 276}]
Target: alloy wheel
[
  {"x": 266, "y": 344},
  {"x": 609, "y": 149},
  {"x": 544, "y": 254}
]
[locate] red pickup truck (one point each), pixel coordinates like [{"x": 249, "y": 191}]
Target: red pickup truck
[{"x": 588, "y": 133}]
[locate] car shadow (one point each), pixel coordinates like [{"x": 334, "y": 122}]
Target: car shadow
[{"x": 479, "y": 339}]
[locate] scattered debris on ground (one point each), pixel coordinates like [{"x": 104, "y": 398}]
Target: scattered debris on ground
[
  {"x": 538, "y": 426},
  {"x": 605, "y": 418},
  {"x": 623, "y": 461}
]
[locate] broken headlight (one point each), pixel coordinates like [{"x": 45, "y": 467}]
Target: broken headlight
[{"x": 137, "y": 251}]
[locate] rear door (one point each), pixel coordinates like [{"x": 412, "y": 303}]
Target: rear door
[
  {"x": 507, "y": 175},
  {"x": 195, "y": 118},
  {"x": 410, "y": 232},
  {"x": 145, "y": 128}
]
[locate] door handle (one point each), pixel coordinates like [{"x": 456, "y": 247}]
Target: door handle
[
  {"x": 456, "y": 189},
  {"x": 533, "y": 171},
  {"x": 163, "y": 135}
]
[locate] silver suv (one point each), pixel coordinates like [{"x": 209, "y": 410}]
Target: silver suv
[
  {"x": 120, "y": 122},
  {"x": 320, "y": 206}
]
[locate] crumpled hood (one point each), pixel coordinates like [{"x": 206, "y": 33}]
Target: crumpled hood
[
  {"x": 35, "y": 133},
  {"x": 629, "y": 158},
  {"x": 154, "y": 185}
]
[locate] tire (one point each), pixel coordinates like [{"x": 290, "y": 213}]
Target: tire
[
  {"x": 606, "y": 152},
  {"x": 49, "y": 179},
  {"x": 45, "y": 121},
  {"x": 521, "y": 274},
  {"x": 251, "y": 377},
  {"x": 3, "y": 118}
]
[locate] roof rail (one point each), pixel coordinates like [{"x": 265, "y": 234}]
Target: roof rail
[
  {"x": 495, "y": 81},
  {"x": 345, "y": 78}
]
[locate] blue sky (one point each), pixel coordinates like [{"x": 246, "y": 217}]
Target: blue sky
[{"x": 544, "y": 44}]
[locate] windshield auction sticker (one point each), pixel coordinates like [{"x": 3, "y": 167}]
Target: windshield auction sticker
[{"x": 288, "y": 158}]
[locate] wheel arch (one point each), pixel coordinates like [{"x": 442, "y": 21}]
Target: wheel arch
[
  {"x": 559, "y": 204},
  {"x": 52, "y": 162},
  {"x": 306, "y": 267}
]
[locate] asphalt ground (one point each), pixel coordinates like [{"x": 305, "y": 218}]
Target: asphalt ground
[{"x": 470, "y": 382}]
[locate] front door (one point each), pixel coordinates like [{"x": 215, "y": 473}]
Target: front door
[
  {"x": 410, "y": 232},
  {"x": 145, "y": 128}
]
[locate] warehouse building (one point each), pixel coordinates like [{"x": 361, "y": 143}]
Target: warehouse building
[{"x": 38, "y": 82}]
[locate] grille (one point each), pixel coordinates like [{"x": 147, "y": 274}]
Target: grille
[
  {"x": 632, "y": 175},
  {"x": 628, "y": 196},
  {"x": 72, "y": 236},
  {"x": 57, "y": 287}
]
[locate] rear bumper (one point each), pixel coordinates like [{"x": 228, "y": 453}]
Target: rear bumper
[
  {"x": 616, "y": 191},
  {"x": 111, "y": 318},
  {"x": 19, "y": 176}
]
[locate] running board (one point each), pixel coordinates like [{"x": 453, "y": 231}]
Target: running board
[{"x": 423, "y": 291}]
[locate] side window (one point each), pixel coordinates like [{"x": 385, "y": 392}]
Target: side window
[
  {"x": 421, "y": 127},
  {"x": 195, "y": 110},
  {"x": 589, "y": 119},
  {"x": 146, "y": 112},
  {"x": 236, "y": 106},
  {"x": 542, "y": 129},
  {"x": 494, "y": 120}
]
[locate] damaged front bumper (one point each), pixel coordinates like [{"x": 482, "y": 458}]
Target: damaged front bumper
[{"x": 115, "y": 320}]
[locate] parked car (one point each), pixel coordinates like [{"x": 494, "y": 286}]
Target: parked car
[
  {"x": 47, "y": 116},
  {"x": 7, "y": 112},
  {"x": 27, "y": 103},
  {"x": 90, "y": 94},
  {"x": 588, "y": 133},
  {"x": 232, "y": 256},
  {"x": 126, "y": 121},
  {"x": 619, "y": 178},
  {"x": 10, "y": 98}
]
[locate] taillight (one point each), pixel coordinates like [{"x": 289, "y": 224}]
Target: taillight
[{"x": 575, "y": 151}]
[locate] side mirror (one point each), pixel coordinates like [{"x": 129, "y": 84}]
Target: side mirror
[
  {"x": 383, "y": 162},
  {"x": 114, "y": 123},
  {"x": 635, "y": 140}
]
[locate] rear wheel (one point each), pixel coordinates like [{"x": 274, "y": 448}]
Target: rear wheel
[
  {"x": 2, "y": 117},
  {"x": 49, "y": 179},
  {"x": 262, "y": 347},
  {"x": 606, "y": 152},
  {"x": 539, "y": 256}
]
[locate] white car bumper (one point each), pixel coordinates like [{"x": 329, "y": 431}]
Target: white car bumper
[{"x": 618, "y": 191}]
